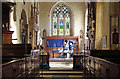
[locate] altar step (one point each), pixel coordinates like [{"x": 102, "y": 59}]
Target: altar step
[
  {"x": 60, "y": 74},
  {"x": 60, "y": 70}
]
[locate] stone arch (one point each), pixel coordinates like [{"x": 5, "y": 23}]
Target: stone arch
[
  {"x": 24, "y": 17},
  {"x": 23, "y": 27}
]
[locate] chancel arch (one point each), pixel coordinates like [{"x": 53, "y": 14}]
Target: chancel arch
[
  {"x": 61, "y": 18},
  {"x": 23, "y": 27}
]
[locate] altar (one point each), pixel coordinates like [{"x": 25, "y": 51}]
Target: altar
[
  {"x": 66, "y": 52},
  {"x": 54, "y": 45}
]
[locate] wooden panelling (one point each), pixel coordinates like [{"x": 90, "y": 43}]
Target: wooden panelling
[
  {"x": 110, "y": 55},
  {"x": 7, "y": 37}
]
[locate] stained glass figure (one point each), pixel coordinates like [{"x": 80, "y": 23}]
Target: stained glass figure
[
  {"x": 67, "y": 24},
  {"x": 61, "y": 18},
  {"x": 54, "y": 24}
]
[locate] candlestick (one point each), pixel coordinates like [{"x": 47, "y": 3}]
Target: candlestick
[
  {"x": 3, "y": 25},
  {"x": 7, "y": 26}
]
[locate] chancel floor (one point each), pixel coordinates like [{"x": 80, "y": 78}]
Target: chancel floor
[{"x": 61, "y": 70}]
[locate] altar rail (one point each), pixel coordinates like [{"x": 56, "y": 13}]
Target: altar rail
[{"x": 101, "y": 68}]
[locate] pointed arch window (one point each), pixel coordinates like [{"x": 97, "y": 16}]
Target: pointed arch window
[{"x": 61, "y": 21}]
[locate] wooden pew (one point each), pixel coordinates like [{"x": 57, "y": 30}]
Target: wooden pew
[
  {"x": 102, "y": 68},
  {"x": 16, "y": 50},
  {"x": 110, "y": 55},
  {"x": 18, "y": 68}
]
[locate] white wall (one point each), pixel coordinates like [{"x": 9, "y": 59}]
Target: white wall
[
  {"x": 16, "y": 24},
  {"x": 45, "y": 16}
]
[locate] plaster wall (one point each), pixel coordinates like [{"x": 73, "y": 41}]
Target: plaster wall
[
  {"x": 99, "y": 25},
  {"x": 106, "y": 24},
  {"x": 16, "y": 24},
  {"x": 102, "y": 25}
]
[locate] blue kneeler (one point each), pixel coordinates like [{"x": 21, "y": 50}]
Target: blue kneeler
[
  {"x": 61, "y": 56},
  {"x": 44, "y": 66},
  {"x": 78, "y": 66}
]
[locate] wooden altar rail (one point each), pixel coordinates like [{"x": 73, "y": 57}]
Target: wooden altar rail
[
  {"x": 101, "y": 68},
  {"x": 49, "y": 49}
]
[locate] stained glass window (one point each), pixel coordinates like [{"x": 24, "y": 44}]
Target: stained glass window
[
  {"x": 54, "y": 24},
  {"x": 67, "y": 24},
  {"x": 61, "y": 20}
]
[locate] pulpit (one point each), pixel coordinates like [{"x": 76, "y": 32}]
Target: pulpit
[
  {"x": 6, "y": 33},
  {"x": 7, "y": 37}
]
